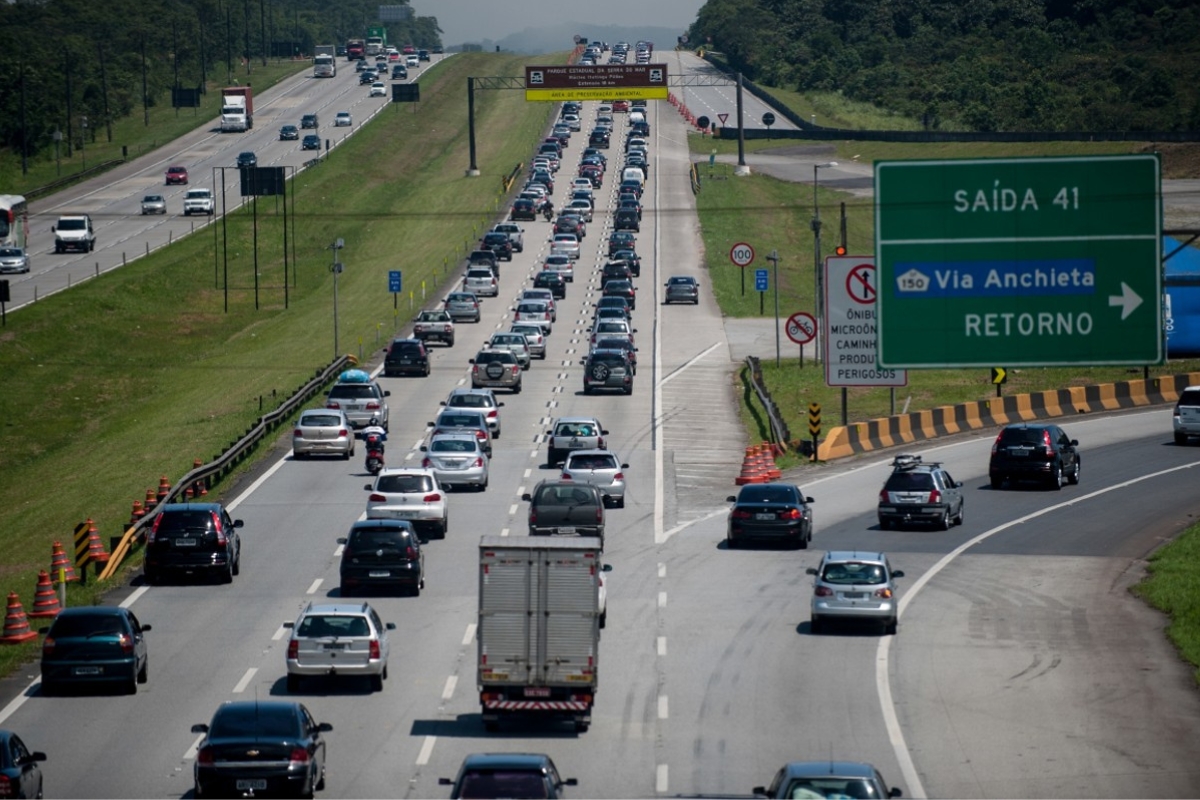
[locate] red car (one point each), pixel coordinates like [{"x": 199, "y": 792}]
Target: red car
[
  {"x": 620, "y": 105},
  {"x": 177, "y": 175}
]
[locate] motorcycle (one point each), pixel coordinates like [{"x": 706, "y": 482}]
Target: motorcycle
[
  {"x": 547, "y": 212},
  {"x": 374, "y": 446}
]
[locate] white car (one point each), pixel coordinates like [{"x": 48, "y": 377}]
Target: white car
[
  {"x": 457, "y": 459},
  {"x": 572, "y": 121},
  {"x": 343, "y": 119},
  {"x": 378, "y": 89},
  {"x": 535, "y": 338},
  {"x": 565, "y": 244},
  {"x": 482, "y": 282},
  {"x": 604, "y": 328},
  {"x": 542, "y": 295},
  {"x": 409, "y": 494},
  {"x": 412, "y": 61},
  {"x": 533, "y": 312},
  {"x": 581, "y": 183}
]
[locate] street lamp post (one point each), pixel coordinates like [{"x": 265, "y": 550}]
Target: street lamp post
[
  {"x": 816, "y": 228},
  {"x": 83, "y": 141},
  {"x": 58, "y": 137},
  {"x": 336, "y": 268}
]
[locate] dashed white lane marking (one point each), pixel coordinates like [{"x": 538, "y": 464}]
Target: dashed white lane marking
[
  {"x": 448, "y": 691},
  {"x": 529, "y": 471},
  {"x": 279, "y": 634},
  {"x": 470, "y": 635},
  {"x": 337, "y": 553},
  {"x": 533, "y": 453},
  {"x": 662, "y": 645},
  {"x": 426, "y": 751},
  {"x": 504, "y": 531},
  {"x": 662, "y": 569},
  {"x": 315, "y": 585},
  {"x": 662, "y": 706},
  {"x": 512, "y": 509},
  {"x": 138, "y": 592},
  {"x": 660, "y": 779},
  {"x": 662, "y": 599},
  {"x": 245, "y": 681},
  {"x": 190, "y": 753}
]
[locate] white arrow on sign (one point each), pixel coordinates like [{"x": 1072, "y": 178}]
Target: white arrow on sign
[{"x": 1128, "y": 300}]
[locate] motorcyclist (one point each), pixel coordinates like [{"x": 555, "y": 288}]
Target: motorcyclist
[
  {"x": 548, "y": 209},
  {"x": 374, "y": 434}
]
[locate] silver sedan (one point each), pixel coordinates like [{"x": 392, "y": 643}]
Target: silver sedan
[
  {"x": 601, "y": 469},
  {"x": 682, "y": 289},
  {"x": 323, "y": 431},
  {"x": 457, "y": 460}
]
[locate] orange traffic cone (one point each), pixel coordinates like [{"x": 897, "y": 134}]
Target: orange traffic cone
[
  {"x": 45, "y": 599},
  {"x": 751, "y": 471},
  {"x": 150, "y": 502},
  {"x": 16, "y": 624},
  {"x": 137, "y": 513},
  {"x": 199, "y": 489},
  {"x": 164, "y": 488},
  {"x": 96, "y": 551},
  {"x": 59, "y": 561}
]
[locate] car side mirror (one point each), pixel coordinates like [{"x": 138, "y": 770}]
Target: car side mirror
[
  {"x": 606, "y": 568},
  {"x": 324, "y": 727},
  {"x": 624, "y": 466},
  {"x": 1074, "y": 443},
  {"x": 469, "y": 361},
  {"x": 342, "y": 540},
  {"x": 571, "y": 782},
  {"x": 442, "y": 403},
  {"x": 897, "y": 573},
  {"x": 387, "y": 393},
  {"x": 36, "y": 755},
  {"x": 731, "y": 499},
  {"x": 391, "y": 626},
  {"x": 958, "y": 484},
  {"x": 237, "y": 523},
  {"x": 809, "y": 571},
  {"x": 895, "y": 791},
  {"x": 367, "y": 487},
  {"x": 200, "y": 727},
  {"x": 527, "y": 497},
  {"x": 498, "y": 405},
  {"x": 445, "y": 782},
  {"x": 761, "y": 791},
  {"x": 424, "y": 448},
  {"x": 292, "y": 623},
  {"x": 809, "y": 500}
]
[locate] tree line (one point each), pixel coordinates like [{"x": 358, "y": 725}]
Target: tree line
[
  {"x": 988, "y": 65},
  {"x": 61, "y": 60}
]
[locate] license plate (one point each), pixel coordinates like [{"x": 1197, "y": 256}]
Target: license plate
[
  {"x": 566, "y": 530},
  {"x": 335, "y": 646},
  {"x": 186, "y": 542},
  {"x": 537, "y": 691},
  {"x": 378, "y": 573},
  {"x": 854, "y": 595},
  {"x": 88, "y": 671},
  {"x": 252, "y": 786},
  {"x": 764, "y": 516}
]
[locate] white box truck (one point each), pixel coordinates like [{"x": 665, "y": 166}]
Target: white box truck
[
  {"x": 324, "y": 61},
  {"x": 539, "y": 627}
]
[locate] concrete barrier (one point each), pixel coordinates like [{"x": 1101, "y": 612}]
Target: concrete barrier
[{"x": 876, "y": 434}]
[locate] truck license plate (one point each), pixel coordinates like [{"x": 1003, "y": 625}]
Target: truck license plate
[
  {"x": 567, "y": 531},
  {"x": 537, "y": 691}
]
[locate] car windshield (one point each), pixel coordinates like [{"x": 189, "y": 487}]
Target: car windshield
[
  {"x": 254, "y": 720},
  {"x": 502, "y": 783},
  {"x": 767, "y": 494},
  {"x": 319, "y": 625},
  {"x": 71, "y": 225},
  {"x": 403, "y": 484},
  {"x": 320, "y": 420},
  {"x": 853, "y": 572},
  {"x": 150, "y": 198}
]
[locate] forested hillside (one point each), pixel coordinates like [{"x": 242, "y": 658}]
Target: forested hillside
[
  {"x": 66, "y": 59},
  {"x": 991, "y": 65}
]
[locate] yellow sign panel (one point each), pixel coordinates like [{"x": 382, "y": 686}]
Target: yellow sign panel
[{"x": 624, "y": 93}]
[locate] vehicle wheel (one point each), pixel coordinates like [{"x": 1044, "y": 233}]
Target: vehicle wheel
[
  {"x": 321, "y": 780},
  {"x": 628, "y": 389},
  {"x": 443, "y": 528},
  {"x": 450, "y": 342},
  {"x": 346, "y": 455},
  {"x": 996, "y": 480},
  {"x": 151, "y": 578},
  {"x": 1073, "y": 478},
  {"x": 293, "y": 684},
  {"x": 944, "y": 521},
  {"x": 1056, "y": 480},
  {"x": 144, "y": 673},
  {"x": 696, "y": 302},
  {"x": 962, "y": 510},
  {"x": 1180, "y": 438},
  {"x": 620, "y": 502},
  {"x": 885, "y": 524},
  {"x": 517, "y": 389},
  {"x": 730, "y": 542},
  {"x": 491, "y": 726},
  {"x": 803, "y": 543},
  {"x": 376, "y": 683},
  {"x": 890, "y": 628},
  {"x": 132, "y": 684},
  {"x": 226, "y": 574},
  {"x": 581, "y": 726},
  {"x": 604, "y": 618},
  {"x": 815, "y": 627},
  {"x": 237, "y": 563}
]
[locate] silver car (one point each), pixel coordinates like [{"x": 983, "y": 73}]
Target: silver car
[
  {"x": 562, "y": 264},
  {"x": 457, "y": 459},
  {"x": 361, "y": 401},
  {"x": 482, "y": 282},
  {"x": 854, "y": 585},
  {"x": 323, "y": 431},
  {"x": 535, "y": 338},
  {"x": 601, "y": 469},
  {"x": 514, "y": 343},
  {"x": 496, "y": 369},
  {"x": 544, "y": 295},
  {"x": 534, "y": 312},
  {"x": 13, "y": 259},
  {"x": 482, "y": 400},
  {"x": 463, "y": 306},
  {"x": 682, "y": 289},
  {"x": 565, "y": 243},
  {"x": 1186, "y": 416},
  {"x": 338, "y": 639},
  {"x": 573, "y": 433},
  {"x": 154, "y": 204}
]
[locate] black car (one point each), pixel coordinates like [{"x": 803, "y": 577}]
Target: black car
[
  {"x": 600, "y": 138},
  {"x": 368, "y": 77},
  {"x": 498, "y": 243},
  {"x": 920, "y": 491},
  {"x": 422, "y": 55},
  {"x": 399, "y": 72},
  {"x": 247, "y": 158},
  {"x": 1034, "y": 452},
  {"x": 289, "y": 133},
  {"x": 607, "y": 369},
  {"x": 620, "y": 288},
  {"x": 616, "y": 270},
  {"x": 770, "y": 511},
  {"x": 629, "y": 257},
  {"x": 548, "y": 279},
  {"x": 567, "y": 224},
  {"x": 311, "y": 142},
  {"x": 507, "y": 775},
  {"x": 381, "y": 554},
  {"x": 615, "y": 301},
  {"x": 484, "y": 258},
  {"x": 524, "y": 209},
  {"x": 258, "y": 747},
  {"x": 620, "y": 240},
  {"x": 94, "y": 645},
  {"x": 621, "y": 344},
  {"x": 19, "y": 769},
  {"x": 406, "y": 357},
  {"x": 193, "y": 538},
  {"x": 310, "y": 121}
]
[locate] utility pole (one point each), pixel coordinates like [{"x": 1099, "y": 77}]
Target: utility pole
[{"x": 336, "y": 268}]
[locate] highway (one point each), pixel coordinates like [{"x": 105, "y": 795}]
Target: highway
[{"x": 1022, "y": 668}]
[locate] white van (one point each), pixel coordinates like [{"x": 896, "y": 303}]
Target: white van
[
  {"x": 635, "y": 117},
  {"x": 633, "y": 173}
]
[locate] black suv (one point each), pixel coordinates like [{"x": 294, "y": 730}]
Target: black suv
[
  {"x": 549, "y": 279},
  {"x": 920, "y": 491},
  {"x": 1036, "y": 452},
  {"x": 406, "y": 357},
  {"x": 382, "y": 554},
  {"x": 498, "y": 243},
  {"x": 192, "y": 538}
]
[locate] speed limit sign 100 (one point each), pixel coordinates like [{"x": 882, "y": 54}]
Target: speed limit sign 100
[{"x": 741, "y": 254}]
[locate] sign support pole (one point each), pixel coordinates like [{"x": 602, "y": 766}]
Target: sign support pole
[{"x": 773, "y": 257}]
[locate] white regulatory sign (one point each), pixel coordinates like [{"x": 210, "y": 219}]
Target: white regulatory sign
[
  {"x": 741, "y": 254},
  {"x": 851, "y": 325}
]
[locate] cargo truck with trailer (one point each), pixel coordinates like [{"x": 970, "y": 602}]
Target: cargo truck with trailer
[
  {"x": 237, "y": 109},
  {"x": 538, "y": 631}
]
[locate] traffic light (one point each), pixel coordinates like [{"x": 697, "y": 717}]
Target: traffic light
[{"x": 841, "y": 248}]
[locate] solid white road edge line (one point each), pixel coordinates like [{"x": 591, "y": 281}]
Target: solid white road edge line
[{"x": 883, "y": 686}]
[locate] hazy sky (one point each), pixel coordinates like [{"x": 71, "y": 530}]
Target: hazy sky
[{"x": 475, "y": 20}]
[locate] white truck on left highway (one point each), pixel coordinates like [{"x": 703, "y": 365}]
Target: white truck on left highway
[{"x": 325, "y": 61}]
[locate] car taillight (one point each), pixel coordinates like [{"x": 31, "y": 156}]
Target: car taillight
[
  {"x": 600, "y": 513},
  {"x": 432, "y": 498},
  {"x": 153, "y": 532},
  {"x": 740, "y": 513},
  {"x": 5, "y": 786},
  {"x": 475, "y": 370},
  {"x": 216, "y": 519},
  {"x": 480, "y": 435},
  {"x": 996, "y": 445},
  {"x": 883, "y": 496},
  {"x": 823, "y": 591},
  {"x": 126, "y": 642},
  {"x": 426, "y": 463},
  {"x": 1048, "y": 444},
  {"x": 47, "y": 646},
  {"x": 373, "y": 405},
  {"x": 884, "y": 593},
  {"x": 792, "y": 513},
  {"x": 343, "y": 432},
  {"x": 376, "y": 497},
  {"x": 298, "y": 756},
  {"x": 297, "y": 433},
  {"x": 600, "y": 443},
  {"x": 332, "y": 404},
  {"x": 374, "y": 645},
  {"x": 935, "y": 496},
  {"x": 532, "y": 515},
  {"x": 566, "y": 476},
  {"x": 494, "y": 413},
  {"x": 516, "y": 368},
  {"x": 478, "y": 461},
  {"x": 204, "y": 756}
]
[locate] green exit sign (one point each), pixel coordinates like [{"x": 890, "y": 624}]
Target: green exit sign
[{"x": 1019, "y": 261}]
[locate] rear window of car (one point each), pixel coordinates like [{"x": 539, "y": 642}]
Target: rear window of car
[
  {"x": 407, "y": 348},
  {"x": 590, "y": 461},
  {"x": 1189, "y": 398},
  {"x": 502, "y": 783},
  {"x": 320, "y": 420},
  {"x": 378, "y": 538},
  {"x": 85, "y": 624},
  {"x": 853, "y": 572},
  {"x": 404, "y": 484},
  {"x": 318, "y": 625},
  {"x": 460, "y": 298},
  {"x": 909, "y": 482},
  {"x": 503, "y": 356},
  {"x": 450, "y": 420},
  {"x": 482, "y": 273},
  {"x": 575, "y": 429},
  {"x": 565, "y": 496},
  {"x": 608, "y": 359},
  {"x": 173, "y": 523},
  {"x": 531, "y": 308},
  {"x": 767, "y": 494},
  {"x": 453, "y": 446},
  {"x": 353, "y": 391},
  {"x": 508, "y": 338},
  {"x": 470, "y": 401},
  {"x": 1022, "y": 436},
  {"x": 267, "y": 721}
]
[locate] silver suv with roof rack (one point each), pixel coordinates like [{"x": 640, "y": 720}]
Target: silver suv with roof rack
[{"x": 922, "y": 492}]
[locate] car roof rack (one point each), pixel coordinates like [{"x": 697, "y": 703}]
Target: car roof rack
[{"x": 907, "y": 461}]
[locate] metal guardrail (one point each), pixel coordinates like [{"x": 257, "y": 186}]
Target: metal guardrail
[
  {"x": 779, "y": 429},
  {"x": 233, "y": 455},
  {"x": 74, "y": 177}
]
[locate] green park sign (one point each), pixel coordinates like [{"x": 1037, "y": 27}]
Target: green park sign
[{"x": 1019, "y": 261}]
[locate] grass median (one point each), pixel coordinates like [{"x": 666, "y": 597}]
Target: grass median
[
  {"x": 1173, "y": 587},
  {"x": 137, "y": 373}
]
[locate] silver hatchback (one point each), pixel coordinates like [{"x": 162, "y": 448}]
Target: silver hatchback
[
  {"x": 323, "y": 431},
  {"x": 601, "y": 469},
  {"x": 515, "y": 343},
  {"x": 851, "y": 585},
  {"x": 338, "y": 639},
  {"x": 496, "y": 369}
]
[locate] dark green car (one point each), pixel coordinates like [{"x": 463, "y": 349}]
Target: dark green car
[{"x": 94, "y": 645}]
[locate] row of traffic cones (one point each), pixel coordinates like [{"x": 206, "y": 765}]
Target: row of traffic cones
[
  {"x": 758, "y": 465},
  {"x": 141, "y": 508},
  {"x": 45, "y": 598},
  {"x": 686, "y": 113}
]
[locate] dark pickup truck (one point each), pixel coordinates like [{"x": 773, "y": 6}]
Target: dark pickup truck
[{"x": 564, "y": 508}]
